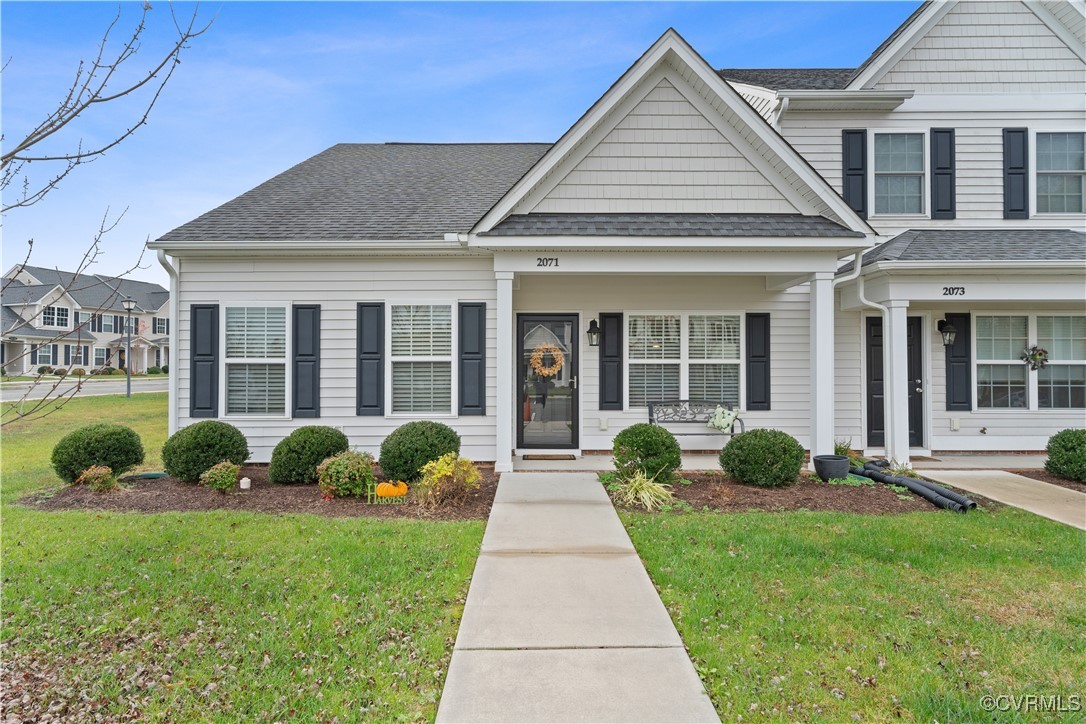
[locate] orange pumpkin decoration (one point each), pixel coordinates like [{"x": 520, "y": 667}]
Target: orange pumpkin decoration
[{"x": 391, "y": 490}]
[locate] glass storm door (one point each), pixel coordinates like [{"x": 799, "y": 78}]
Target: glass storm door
[{"x": 547, "y": 381}]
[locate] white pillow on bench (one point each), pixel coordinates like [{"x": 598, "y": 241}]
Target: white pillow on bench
[{"x": 722, "y": 419}]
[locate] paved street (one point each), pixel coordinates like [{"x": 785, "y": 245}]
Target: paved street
[{"x": 14, "y": 391}]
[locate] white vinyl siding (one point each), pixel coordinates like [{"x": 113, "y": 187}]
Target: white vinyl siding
[
  {"x": 421, "y": 358},
  {"x": 1001, "y": 375},
  {"x": 683, "y": 356},
  {"x": 255, "y": 360},
  {"x": 1061, "y": 170},
  {"x": 899, "y": 173},
  {"x": 1061, "y": 384},
  {"x": 53, "y": 316}
]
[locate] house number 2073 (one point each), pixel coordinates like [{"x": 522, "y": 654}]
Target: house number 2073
[
  {"x": 953, "y": 291},
  {"x": 546, "y": 261}
]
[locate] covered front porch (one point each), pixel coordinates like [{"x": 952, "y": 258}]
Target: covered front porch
[{"x": 673, "y": 324}]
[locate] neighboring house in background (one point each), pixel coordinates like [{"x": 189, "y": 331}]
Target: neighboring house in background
[
  {"x": 64, "y": 320},
  {"x": 707, "y": 224}
]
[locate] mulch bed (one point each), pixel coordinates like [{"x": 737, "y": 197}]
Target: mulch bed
[
  {"x": 164, "y": 495},
  {"x": 1048, "y": 477},
  {"x": 719, "y": 493}
]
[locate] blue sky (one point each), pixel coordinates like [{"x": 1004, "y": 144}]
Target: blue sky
[{"x": 272, "y": 83}]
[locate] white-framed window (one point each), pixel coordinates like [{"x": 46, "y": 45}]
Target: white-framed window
[
  {"x": 159, "y": 325},
  {"x": 255, "y": 360},
  {"x": 83, "y": 318},
  {"x": 43, "y": 355},
  {"x": 1004, "y": 381},
  {"x": 1061, "y": 384},
  {"x": 1061, "y": 173},
  {"x": 899, "y": 173},
  {"x": 420, "y": 357},
  {"x": 107, "y": 323},
  {"x": 101, "y": 356},
  {"x": 683, "y": 356},
  {"x": 54, "y": 316},
  {"x": 77, "y": 354}
]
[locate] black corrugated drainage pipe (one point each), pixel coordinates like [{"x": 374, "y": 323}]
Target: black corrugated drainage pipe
[
  {"x": 956, "y": 497},
  {"x": 931, "y": 493}
]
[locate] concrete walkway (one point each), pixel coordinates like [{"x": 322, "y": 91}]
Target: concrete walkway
[
  {"x": 562, "y": 623},
  {"x": 1044, "y": 499}
]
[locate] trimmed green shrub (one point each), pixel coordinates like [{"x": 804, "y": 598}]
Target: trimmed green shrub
[
  {"x": 153, "y": 370},
  {"x": 98, "y": 478},
  {"x": 410, "y": 446},
  {"x": 1067, "y": 454},
  {"x": 60, "y": 372},
  {"x": 296, "y": 457},
  {"x": 768, "y": 458},
  {"x": 165, "y": 369},
  {"x": 45, "y": 370},
  {"x": 221, "y": 476},
  {"x": 196, "y": 448},
  {"x": 79, "y": 372},
  {"x": 649, "y": 449},
  {"x": 114, "y": 446},
  {"x": 348, "y": 473}
]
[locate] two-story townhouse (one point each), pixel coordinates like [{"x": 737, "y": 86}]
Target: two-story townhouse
[
  {"x": 71, "y": 321},
  {"x": 689, "y": 237}
]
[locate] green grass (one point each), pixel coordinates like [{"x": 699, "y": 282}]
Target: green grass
[
  {"x": 828, "y": 615},
  {"x": 247, "y": 616}
]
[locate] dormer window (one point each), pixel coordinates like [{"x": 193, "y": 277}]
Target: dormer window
[
  {"x": 899, "y": 173},
  {"x": 1061, "y": 169},
  {"x": 53, "y": 316}
]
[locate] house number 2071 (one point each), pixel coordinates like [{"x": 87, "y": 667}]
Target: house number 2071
[
  {"x": 953, "y": 291},
  {"x": 546, "y": 261}
]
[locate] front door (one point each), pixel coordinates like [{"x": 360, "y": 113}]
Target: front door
[
  {"x": 547, "y": 381},
  {"x": 876, "y": 427}
]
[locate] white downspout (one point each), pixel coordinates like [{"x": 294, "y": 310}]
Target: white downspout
[
  {"x": 888, "y": 398},
  {"x": 175, "y": 324}
]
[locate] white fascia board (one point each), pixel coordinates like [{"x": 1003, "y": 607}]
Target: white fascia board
[
  {"x": 672, "y": 243},
  {"x": 286, "y": 246},
  {"x": 665, "y": 262},
  {"x": 974, "y": 267},
  {"x": 1056, "y": 26},
  {"x": 902, "y": 44},
  {"x": 859, "y": 100}
]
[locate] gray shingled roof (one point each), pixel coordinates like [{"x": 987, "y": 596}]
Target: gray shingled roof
[
  {"x": 356, "y": 191},
  {"x": 91, "y": 291},
  {"x": 786, "y": 225},
  {"x": 790, "y": 78},
  {"x": 954, "y": 245}
]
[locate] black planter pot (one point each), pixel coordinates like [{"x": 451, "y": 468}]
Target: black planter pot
[{"x": 831, "y": 467}]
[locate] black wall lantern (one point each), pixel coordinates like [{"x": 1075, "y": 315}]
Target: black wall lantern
[
  {"x": 593, "y": 334},
  {"x": 948, "y": 331}
]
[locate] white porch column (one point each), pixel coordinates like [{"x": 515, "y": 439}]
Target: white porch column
[
  {"x": 821, "y": 364},
  {"x": 503, "y": 455},
  {"x": 896, "y": 381},
  {"x": 144, "y": 368}
]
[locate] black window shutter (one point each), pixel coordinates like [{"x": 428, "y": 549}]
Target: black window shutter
[
  {"x": 758, "y": 386},
  {"x": 959, "y": 366},
  {"x": 67, "y": 354},
  {"x": 86, "y": 355},
  {"x": 942, "y": 173},
  {"x": 1015, "y": 173},
  {"x": 167, "y": 325},
  {"x": 473, "y": 358},
  {"x": 118, "y": 323},
  {"x": 96, "y": 323},
  {"x": 371, "y": 359},
  {"x": 34, "y": 360},
  {"x": 154, "y": 325},
  {"x": 204, "y": 372},
  {"x": 306, "y": 370},
  {"x": 854, "y": 170},
  {"x": 611, "y": 361}
]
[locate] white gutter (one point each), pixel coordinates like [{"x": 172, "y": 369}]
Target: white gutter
[
  {"x": 888, "y": 399},
  {"x": 175, "y": 324}
]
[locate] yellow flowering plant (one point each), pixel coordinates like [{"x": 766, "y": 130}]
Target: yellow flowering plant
[{"x": 446, "y": 480}]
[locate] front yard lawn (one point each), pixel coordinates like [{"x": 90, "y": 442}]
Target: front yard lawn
[
  {"x": 217, "y": 615},
  {"x": 831, "y": 616}
]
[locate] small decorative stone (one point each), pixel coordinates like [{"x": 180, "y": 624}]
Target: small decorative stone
[{"x": 245, "y": 483}]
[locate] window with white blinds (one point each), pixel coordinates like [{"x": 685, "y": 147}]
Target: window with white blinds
[
  {"x": 421, "y": 358},
  {"x": 684, "y": 356},
  {"x": 256, "y": 360}
]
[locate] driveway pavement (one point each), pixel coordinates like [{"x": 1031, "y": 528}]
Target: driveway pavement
[
  {"x": 14, "y": 391},
  {"x": 1044, "y": 499},
  {"x": 562, "y": 623}
]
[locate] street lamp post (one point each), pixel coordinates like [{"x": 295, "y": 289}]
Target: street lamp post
[{"x": 129, "y": 304}]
